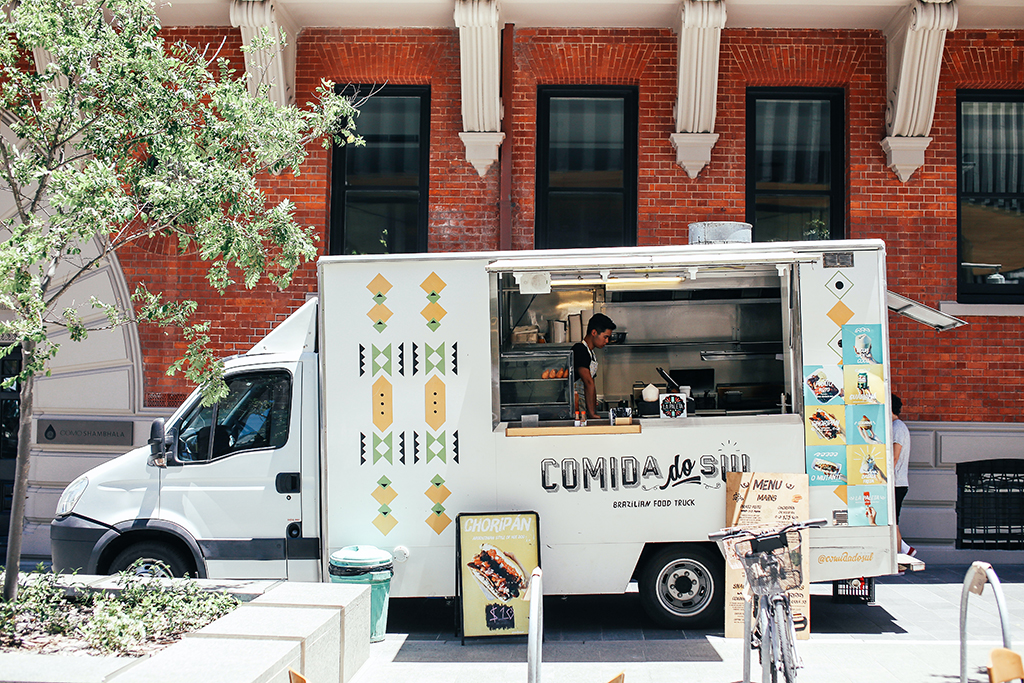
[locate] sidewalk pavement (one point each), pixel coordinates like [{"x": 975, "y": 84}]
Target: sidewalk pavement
[{"x": 910, "y": 635}]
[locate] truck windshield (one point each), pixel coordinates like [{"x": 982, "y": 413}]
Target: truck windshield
[{"x": 254, "y": 414}]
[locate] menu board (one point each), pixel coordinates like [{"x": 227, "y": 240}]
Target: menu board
[
  {"x": 495, "y": 555},
  {"x": 765, "y": 501}
]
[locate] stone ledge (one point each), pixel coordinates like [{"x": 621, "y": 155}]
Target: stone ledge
[{"x": 315, "y": 628}]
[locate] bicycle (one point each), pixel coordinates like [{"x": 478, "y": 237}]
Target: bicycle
[{"x": 771, "y": 561}]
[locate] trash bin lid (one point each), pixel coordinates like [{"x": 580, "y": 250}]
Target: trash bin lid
[{"x": 365, "y": 557}]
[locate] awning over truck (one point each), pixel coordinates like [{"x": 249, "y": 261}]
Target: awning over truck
[{"x": 921, "y": 313}]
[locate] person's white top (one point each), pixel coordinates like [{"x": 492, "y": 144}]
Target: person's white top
[{"x": 901, "y": 436}]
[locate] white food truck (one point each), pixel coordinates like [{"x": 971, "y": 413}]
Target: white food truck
[{"x": 417, "y": 387}]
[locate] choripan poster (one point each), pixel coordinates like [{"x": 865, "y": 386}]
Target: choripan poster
[
  {"x": 764, "y": 501},
  {"x": 496, "y": 553}
]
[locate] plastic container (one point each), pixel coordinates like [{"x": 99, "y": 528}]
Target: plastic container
[{"x": 365, "y": 564}]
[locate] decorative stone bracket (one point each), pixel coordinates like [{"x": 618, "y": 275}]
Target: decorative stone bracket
[
  {"x": 276, "y": 66},
  {"x": 904, "y": 155},
  {"x": 480, "y": 49},
  {"x": 915, "y": 40},
  {"x": 700, "y": 33},
  {"x": 482, "y": 149},
  {"x": 693, "y": 150}
]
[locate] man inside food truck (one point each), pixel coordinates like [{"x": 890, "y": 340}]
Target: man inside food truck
[{"x": 599, "y": 331}]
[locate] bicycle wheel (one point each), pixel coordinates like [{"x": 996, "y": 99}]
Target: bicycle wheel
[{"x": 784, "y": 627}]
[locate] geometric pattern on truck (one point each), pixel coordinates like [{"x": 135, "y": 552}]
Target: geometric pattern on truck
[
  {"x": 844, "y": 415},
  {"x": 408, "y": 444}
]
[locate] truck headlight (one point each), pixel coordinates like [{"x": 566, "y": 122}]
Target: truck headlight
[{"x": 70, "y": 497}]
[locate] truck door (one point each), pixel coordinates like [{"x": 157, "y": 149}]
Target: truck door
[{"x": 237, "y": 485}]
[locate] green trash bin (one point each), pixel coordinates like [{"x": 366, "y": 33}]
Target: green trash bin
[{"x": 368, "y": 565}]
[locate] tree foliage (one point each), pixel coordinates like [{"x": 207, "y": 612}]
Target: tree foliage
[
  {"x": 121, "y": 136},
  {"x": 112, "y": 135}
]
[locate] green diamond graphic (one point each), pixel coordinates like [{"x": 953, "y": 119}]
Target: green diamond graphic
[
  {"x": 384, "y": 510},
  {"x": 384, "y": 482},
  {"x": 433, "y": 325},
  {"x": 380, "y": 325},
  {"x": 437, "y": 480},
  {"x": 379, "y": 298},
  {"x": 438, "y": 509},
  {"x": 433, "y": 297}
]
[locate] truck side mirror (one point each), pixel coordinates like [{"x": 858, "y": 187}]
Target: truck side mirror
[
  {"x": 163, "y": 445},
  {"x": 157, "y": 444}
]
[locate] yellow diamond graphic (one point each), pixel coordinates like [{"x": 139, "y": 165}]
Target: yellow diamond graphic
[
  {"x": 840, "y": 492},
  {"x": 379, "y": 284},
  {"x": 384, "y": 495},
  {"x": 382, "y": 415},
  {"x": 434, "y": 412},
  {"x": 437, "y": 494},
  {"x": 840, "y": 314},
  {"x": 438, "y": 522},
  {"x": 433, "y": 284},
  {"x": 379, "y": 312},
  {"x": 433, "y": 311},
  {"x": 385, "y": 523}
]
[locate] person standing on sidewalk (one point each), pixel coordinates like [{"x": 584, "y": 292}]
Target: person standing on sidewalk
[{"x": 901, "y": 463}]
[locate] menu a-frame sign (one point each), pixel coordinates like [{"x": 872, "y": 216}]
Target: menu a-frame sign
[
  {"x": 495, "y": 554},
  {"x": 762, "y": 501}
]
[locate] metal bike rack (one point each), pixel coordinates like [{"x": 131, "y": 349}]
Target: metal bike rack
[
  {"x": 977, "y": 576},
  {"x": 748, "y": 611},
  {"x": 535, "y": 634}
]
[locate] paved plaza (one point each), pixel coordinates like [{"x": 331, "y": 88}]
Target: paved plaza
[{"x": 909, "y": 635}]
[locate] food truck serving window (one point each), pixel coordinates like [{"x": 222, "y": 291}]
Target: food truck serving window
[{"x": 719, "y": 332}]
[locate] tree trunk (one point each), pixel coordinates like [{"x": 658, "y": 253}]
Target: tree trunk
[{"x": 20, "y": 478}]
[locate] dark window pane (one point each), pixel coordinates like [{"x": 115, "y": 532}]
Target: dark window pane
[
  {"x": 8, "y": 429},
  {"x": 991, "y": 196},
  {"x": 391, "y": 128},
  {"x": 381, "y": 222},
  {"x": 588, "y": 219},
  {"x": 586, "y": 142},
  {"x": 992, "y": 148},
  {"x": 790, "y": 217},
  {"x": 992, "y": 241},
  {"x": 792, "y": 144},
  {"x": 379, "y": 196}
]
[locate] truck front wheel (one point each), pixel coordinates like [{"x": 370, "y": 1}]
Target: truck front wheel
[
  {"x": 155, "y": 559},
  {"x": 683, "y": 586}
]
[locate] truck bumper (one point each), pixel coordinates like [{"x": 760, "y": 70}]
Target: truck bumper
[{"x": 73, "y": 542}]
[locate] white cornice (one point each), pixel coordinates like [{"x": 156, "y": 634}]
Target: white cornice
[
  {"x": 700, "y": 34},
  {"x": 479, "y": 27},
  {"x": 273, "y": 66},
  {"x": 914, "y": 41}
]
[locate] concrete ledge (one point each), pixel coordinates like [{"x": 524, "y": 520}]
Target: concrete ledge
[
  {"x": 226, "y": 660},
  {"x": 317, "y": 632},
  {"x": 33, "y": 668},
  {"x": 352, "y": 600},
  {"x": 321, "y": 630}
]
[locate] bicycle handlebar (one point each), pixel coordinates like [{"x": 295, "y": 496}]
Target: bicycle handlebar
[{"x": 735, "y": 531}]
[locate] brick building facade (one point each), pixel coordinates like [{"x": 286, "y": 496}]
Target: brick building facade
[{"x": 962, "y": 388}]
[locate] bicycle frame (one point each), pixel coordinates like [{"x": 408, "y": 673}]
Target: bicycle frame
[{"x": 772, "y": 567}]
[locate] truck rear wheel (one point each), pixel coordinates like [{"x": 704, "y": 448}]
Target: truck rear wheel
[
  {"x": 155, "y": 559},
  {"x": 683, "y": 586}
]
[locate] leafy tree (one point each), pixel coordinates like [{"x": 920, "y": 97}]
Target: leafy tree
[{"x": 114, "y": 135}]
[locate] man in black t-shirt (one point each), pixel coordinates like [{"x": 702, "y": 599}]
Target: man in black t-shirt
[{"x": 599, "y": 331}]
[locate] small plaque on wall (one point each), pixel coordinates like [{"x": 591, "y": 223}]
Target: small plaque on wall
[{"x": 85, "y": 432}]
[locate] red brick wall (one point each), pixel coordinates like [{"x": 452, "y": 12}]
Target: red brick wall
[
  {"x": 962, "y": 375},
  {"x": 974, "y": 373}
]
